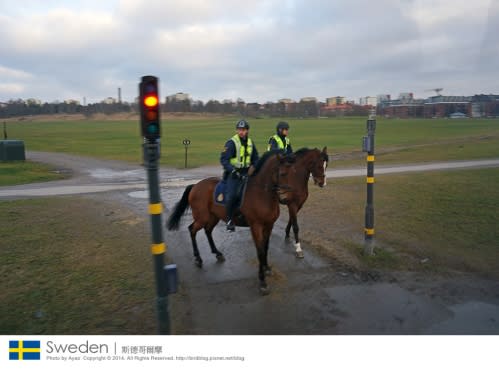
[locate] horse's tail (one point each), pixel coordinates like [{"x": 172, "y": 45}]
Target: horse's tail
[{"x": 173, "y": 221}]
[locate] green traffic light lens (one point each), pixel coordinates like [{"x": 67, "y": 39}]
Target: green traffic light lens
[{"x": 152, "y": 128}]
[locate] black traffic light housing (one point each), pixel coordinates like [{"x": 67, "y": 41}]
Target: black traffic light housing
[{"x": 149, "y": 107}]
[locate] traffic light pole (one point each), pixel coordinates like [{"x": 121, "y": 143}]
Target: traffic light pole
[
  {"x": 158, "y": 248},
  {"x": 150, "y": 123},
  {"x": 368, "y": 146}
]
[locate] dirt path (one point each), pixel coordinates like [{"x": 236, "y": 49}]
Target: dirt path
[{"x": 90, "y": 175}]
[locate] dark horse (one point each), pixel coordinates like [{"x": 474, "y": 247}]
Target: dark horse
[
  {"x": 308, "y": 161},
  {"x": 260, "y": 208}
]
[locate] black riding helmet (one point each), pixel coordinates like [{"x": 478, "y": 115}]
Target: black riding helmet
[
  {"x": 242, "y": 124},
  {"x": 282, "y": 125}
]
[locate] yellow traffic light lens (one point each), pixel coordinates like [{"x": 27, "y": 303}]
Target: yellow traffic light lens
[{"x": 151, "y": 101}]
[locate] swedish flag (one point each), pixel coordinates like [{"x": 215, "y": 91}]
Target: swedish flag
[{"x": 24, "y": 350}]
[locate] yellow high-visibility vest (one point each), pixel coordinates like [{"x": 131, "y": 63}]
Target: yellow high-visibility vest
[
  {"x": 282, "y": 145},
  {"x": 243, "y": 156}
]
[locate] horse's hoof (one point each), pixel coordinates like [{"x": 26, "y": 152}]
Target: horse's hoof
[
  {"x": 220, "y": 258},
  {"x": 199, "y": 263},
  {"x": 264, "y": 290},
  {"x": 299, "y": 254}
]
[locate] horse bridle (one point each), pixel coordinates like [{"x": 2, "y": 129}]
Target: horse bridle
[
  {"x": 323, "y": 176},
  {"x": 281, "y": 190}
]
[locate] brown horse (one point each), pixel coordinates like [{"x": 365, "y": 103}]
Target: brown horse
[
  {"x": 308, "y": 161},
  {"x": 260, "y": 208}
]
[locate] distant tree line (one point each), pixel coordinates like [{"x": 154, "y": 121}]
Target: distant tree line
[
  {"x": 19, "y": 107},
  {"x": 304, "y": 108}
]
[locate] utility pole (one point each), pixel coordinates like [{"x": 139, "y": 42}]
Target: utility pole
[{"x": 368, "y": 147}]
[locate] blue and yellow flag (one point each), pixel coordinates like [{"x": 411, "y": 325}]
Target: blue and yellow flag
[{"x": 24, "y": 350}]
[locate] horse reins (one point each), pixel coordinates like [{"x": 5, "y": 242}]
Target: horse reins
[{"x": 281, "y": 190}]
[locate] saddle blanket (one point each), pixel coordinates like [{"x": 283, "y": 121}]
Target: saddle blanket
[
  {"x": 219, "y": 193},
  {"x": 219, "y": 197}
]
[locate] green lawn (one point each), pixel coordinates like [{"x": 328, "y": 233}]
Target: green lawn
[
  {"x": 446, "y": 219},
  {"x": 21, "y": 172},
  {"x": 397, "y": 140},
  {"x": 74, "y": 266}
]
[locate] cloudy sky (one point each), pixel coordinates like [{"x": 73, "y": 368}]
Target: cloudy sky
[{"x": 257, "y": 50}]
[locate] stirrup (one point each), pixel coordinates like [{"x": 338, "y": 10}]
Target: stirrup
[{"x": 230, "y": 226}]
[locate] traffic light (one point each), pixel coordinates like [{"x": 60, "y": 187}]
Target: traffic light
[{"x": 149, "y": 107}]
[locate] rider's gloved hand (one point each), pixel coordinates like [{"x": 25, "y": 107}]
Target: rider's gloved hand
[{"x": 235, "y": 174}]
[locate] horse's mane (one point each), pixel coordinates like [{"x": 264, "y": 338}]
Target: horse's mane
[
  {"x": 304, "y": 150},
  {"x": 301, "y": 151},
  {"x": 263, "y": 159}
]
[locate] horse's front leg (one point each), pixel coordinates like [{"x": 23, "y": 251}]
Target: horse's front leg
[
  {"x": 262, "y": 271},
  {"x": 267, "y": 231},
  {"x": 298, "y": 249},
  {"x": 293, "y": 220},
  {"x": 288, "y": 226},
  {"x": 257, "y": 232}
]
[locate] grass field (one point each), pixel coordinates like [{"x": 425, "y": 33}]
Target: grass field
[
  {"x": 439, "y": 221},
  {"x": 397, "y": 140},
  {"x": 81, "y": 265},
  {"x": 74, "y": 266},
  {"x": 21, "y": 172},
  {"x": 90, "y": 272}
]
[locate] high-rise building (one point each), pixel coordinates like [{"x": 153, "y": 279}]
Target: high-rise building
[
  {"x": 368, "y": 101},
  {"x": 337, "y": 100}
]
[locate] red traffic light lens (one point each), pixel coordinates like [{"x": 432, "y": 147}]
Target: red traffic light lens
[{"x": 151, "y": 101}]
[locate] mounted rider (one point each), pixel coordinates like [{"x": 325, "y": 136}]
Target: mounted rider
[
  {"x": 239, "y": 154},
  {"x": 280, "y": 140}
]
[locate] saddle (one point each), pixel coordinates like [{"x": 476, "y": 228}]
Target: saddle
[{"x": 219, "y": 195}]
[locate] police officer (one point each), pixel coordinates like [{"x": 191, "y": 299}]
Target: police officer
[
  {"x": 238, "y": 155},
  {"x": 280, "y": 140}
]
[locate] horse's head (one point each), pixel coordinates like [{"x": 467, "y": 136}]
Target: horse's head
[
  {"x": 319, "y": 165},
  {"x": 272, "y": 171},
  {"x": 285, "y": 167}
]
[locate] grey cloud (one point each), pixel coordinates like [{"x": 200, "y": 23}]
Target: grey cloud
[{"x": 259, "y": 51}]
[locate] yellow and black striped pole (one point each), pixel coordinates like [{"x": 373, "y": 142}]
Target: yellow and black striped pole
[
  {"x": 368, "y": 146},
  {"x": 158, "y": 247}
]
